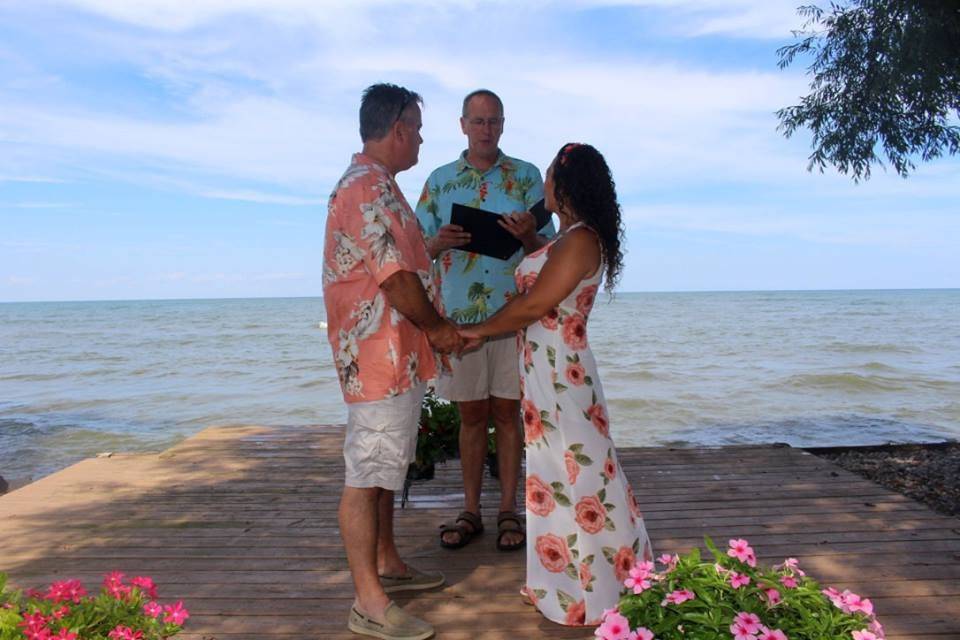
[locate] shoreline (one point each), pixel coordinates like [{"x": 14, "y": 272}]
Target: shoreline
[{"x": 928, "y": 472}]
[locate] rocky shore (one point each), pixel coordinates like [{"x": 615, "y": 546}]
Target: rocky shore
[{"x": 928, "y": 473}]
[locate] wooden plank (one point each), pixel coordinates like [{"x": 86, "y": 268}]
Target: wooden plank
[{"x": 241, "y": 522}]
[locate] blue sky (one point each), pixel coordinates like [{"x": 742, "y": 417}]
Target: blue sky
[{"x": 171, "y": 149}]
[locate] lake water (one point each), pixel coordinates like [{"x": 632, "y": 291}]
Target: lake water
[{"x": 807, "y": 368}]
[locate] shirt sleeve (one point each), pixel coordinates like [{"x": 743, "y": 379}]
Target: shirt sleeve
[
  {"x": 427, "y": 209},
  {"x": 379, "y": 234}
]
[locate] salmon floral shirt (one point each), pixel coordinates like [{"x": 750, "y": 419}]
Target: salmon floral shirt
[
  {"x": 475, "y": 286},
  {"x": 372, "y": 234}
]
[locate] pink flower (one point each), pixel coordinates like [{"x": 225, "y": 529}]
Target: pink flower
[
  {"x": 877, "y": 628},
  {"x": 750, "y": 621},
  {"x": 591, "y": 515},
  {"x": 669, "y": 561},
  {"x": 553, "y": 552},
  {"x": 532, "y": 424},
  {"x": 153, "y": 609},
  {"x": 638, "y": 578},
  {"x": 146, "y": 585},
  {"x": 864, "y": 635},
  {"x": 585, "y": 299},
  {"x": 576, "y": 374},
  {"x": 585, "y": 574},
  {"x": 34, "y": 623},
  {"x": 853, "y": 603},
  {"x": 642, "y": 633},
  {"x": 573, "y": 469},
  {"x": 64, "y": 635},
  {"x": 66, "y": 590},
  {"x": 113, "y": 583},
  {"x": 793, "y": 565},
  {"x": 740, "y": 632},
  {"x": 121, "y": 632},
  {"x": 539, "y": 496},
  {"x": 598, "y": 416},
  {"x": 741, "y": 550},
  {"x": 773, "y": 597},
  {"x": 614, "y": 627},
  {"x": 59, "y": 613},
  {"x": 678, "y": 597},
  {"x": 771, "y": 634},
  {"x": 738, "y": 580},
  {"x": 575, "y": 332},
  {"x": 551, "y": 320},
  {"x": 609, "y": 469},
  {"x": 789, "y": 582},
  {"x": 623, "y": 560},
  {"x": 576, "y": 614},
  {"x": 175, "y": 613}
]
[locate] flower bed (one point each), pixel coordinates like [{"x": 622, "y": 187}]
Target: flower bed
[
  {"x": 729, "y": 598},
  {"x": 65, "y": 611}
]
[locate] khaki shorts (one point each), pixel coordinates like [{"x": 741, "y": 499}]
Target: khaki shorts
[
  {"x": 491, "y": 370},
  {"x": 381, "y": 440}
]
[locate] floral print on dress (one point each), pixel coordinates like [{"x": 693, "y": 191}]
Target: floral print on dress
[
  {"x": 371, "y": 234},
  {"x": 584, "y": 526}
]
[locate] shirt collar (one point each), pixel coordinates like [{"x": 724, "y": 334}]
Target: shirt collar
[
  {"x": 463, "y": 165},
  {"x": 362, "y": 158}
]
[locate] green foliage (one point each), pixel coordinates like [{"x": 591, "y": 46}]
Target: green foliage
[
  {"x": 799, "y": 608},
  {"x": 66, "y": 612},
  {"x": 885, "y": 75},
  {"x": 439, "y": 433}
]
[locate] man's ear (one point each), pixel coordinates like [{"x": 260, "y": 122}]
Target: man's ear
[{"x": 463, "y": 125}]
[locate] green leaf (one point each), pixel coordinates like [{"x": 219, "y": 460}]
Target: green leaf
[
  {"x": 561, "y": 499},
  {"x": 559, "y": 388},
  {"x": 572, "y": 571},
  {"x": 565, "y": 599},
  {"x": 609, "y": 553},
  {"x": 588, "y": 380},
  {"x": 608, "y": 525},
  {"x": 572, "y": 540},
  {"x": 602, "y": 495},
  {"x": 583, "y": 459},
  {"x": 576, "y": 448}
]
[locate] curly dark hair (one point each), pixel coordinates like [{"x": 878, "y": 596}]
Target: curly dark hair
[{"x": 584, "y": 188}]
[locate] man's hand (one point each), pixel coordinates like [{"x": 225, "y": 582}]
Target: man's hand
[
  {"x": 522, "y": 225},
  {"x": 448, "y": 237},
  {"x": 445, "y": 339},
  {"x": 471, "y": 339}
]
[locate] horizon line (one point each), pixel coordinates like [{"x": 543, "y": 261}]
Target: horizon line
[{"x": 664, "y": 291}]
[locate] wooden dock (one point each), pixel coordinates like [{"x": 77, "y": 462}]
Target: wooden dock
[{"x": 240, "y": 523}]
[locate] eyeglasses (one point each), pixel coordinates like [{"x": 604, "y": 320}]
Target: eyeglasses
[
  {"x": 478, "y": 123},
  {"x": 407, "y": 99}
]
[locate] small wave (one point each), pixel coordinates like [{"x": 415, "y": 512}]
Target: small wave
[
  {"x": 321, "y": 325},
  {"x": 843, "y": 382},
  {"x": 850, "y": 347}
]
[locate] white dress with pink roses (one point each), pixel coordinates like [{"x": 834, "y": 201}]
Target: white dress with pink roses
[{"x": 584, "y": 528}]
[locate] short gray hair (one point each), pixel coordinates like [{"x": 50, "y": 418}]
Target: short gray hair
[
  {"x": 381, "y": 106},
  {"x": 481, "y": 92}
]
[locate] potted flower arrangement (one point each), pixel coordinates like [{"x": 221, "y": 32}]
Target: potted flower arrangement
[
  {"x": 729, "y": 598},
  {"x": 437, "y": 438},
  {"x": 121, "y": 611}
]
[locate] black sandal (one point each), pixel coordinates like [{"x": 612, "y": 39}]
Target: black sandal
[
  {"x": 466, "y": 533},
  {"x": 509, "y": 522}
]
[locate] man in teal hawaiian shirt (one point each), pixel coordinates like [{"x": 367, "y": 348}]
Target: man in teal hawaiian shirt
[{"x": 484, "y": 383}]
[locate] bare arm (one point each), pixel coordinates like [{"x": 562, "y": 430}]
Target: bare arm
[
  {"x": 571, "y": 260},
  {"x": 405, "y": 293}
]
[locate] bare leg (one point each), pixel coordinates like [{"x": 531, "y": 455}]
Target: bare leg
[
  {"x": 473, "y": 452},
  {"x": 358, "y": 515},
  {"x": 506, "y": 417},
  {"x": 388, "y": 558}
]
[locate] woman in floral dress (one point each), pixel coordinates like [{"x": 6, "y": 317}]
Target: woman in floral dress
[{"x": 584, "y": 527}]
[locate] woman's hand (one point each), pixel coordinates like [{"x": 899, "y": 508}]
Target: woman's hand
[{"x": 472, "y": 340}]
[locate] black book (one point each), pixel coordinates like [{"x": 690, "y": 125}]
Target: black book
[{"x": 486, "y": 234}]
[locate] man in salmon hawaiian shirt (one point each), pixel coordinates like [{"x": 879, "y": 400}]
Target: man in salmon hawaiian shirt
[
  {"x": 485, "y": 383},
  {"x": 384, "y": 324}
]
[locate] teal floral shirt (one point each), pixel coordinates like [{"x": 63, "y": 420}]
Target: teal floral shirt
[{"x": 474, "y": 286}]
